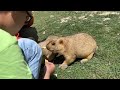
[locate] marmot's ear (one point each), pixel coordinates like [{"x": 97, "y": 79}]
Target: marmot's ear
[{"x": 61, "y": 41}]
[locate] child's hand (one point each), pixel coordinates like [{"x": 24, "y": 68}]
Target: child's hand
[{"x": 49, "y": 69}]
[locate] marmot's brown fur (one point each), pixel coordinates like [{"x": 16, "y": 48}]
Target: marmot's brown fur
[{"x": 71, "y": 47}]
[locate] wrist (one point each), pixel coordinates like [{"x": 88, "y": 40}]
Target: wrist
[{"x": 47, "y": 75}]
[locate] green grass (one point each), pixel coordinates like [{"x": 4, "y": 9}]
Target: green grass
[{"x": 106, "y": 62}]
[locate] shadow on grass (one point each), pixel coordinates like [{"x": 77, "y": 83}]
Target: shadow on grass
[
  {"x": 60, "y": 59},
  {"x": 53, "y": 77}
]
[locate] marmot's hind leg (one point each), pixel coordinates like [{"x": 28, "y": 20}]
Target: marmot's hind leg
[{"x": 87, "y": 58}]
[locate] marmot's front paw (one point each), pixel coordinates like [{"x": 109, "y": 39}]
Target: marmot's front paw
[{"x": 63, "y": 66}]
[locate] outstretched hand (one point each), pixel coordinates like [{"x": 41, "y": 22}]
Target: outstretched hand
[{"x": 49, "y": 69}]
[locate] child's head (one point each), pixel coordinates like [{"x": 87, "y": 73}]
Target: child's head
[{"x": 13, "y": 21}]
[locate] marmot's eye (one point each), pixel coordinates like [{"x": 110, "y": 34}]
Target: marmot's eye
[{"x": 53, "y": 43}]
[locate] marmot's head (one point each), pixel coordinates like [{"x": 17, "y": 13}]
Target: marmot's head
[{"x": 57, "y": 46}]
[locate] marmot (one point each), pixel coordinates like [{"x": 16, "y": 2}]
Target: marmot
[{"x": 80, "y": 45}]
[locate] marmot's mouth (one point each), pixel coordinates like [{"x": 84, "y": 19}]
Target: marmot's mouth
[
  {"x": 44, "y": 47},
  {"x": 53, "y": 51}
]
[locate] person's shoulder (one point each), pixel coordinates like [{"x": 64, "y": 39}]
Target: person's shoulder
[
  {"x": 4, "y": 33},
  {"x": 6, "y": 39},
  {"x": 5, "y": 36}
]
